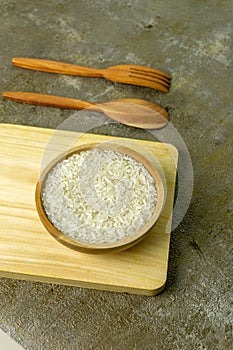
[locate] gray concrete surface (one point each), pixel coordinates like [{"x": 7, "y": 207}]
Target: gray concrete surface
[{"x": 192, "y": 41}]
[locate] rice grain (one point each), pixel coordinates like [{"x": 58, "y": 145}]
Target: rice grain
[{"x": 99, "y": 196}]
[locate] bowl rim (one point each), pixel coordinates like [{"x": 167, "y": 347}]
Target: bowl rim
[{"x": 120, "y": 244}]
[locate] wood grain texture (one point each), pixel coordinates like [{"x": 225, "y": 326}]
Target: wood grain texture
[{"x": 28, "y": 251}]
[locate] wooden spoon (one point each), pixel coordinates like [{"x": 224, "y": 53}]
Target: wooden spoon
[{"x": 134, "y": 112}]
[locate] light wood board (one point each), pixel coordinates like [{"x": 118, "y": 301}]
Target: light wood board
[{"x": 28, "y": 251}]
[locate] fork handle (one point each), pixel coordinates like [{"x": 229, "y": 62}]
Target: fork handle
[
  {"x": 56, "y": 67},
  {"x": 47, "y": 100}
]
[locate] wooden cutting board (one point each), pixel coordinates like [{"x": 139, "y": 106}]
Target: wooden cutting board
[{"x": 28, "y": 251}]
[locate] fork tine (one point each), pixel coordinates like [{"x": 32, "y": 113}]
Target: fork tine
[
  {"x": 150, "y": 78},
  {"x": 138, "y": 75},
  {"x": 151, "y": 71},
  {"x": 152, "y": 83},
  {"x": 147, "y": 82},
  {"x": 150, "y": 74}
]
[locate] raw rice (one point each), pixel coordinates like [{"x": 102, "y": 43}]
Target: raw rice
[{"x": 99, "y": 196}]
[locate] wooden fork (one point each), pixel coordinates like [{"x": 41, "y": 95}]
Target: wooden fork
[{"x": 125, "y": 73}]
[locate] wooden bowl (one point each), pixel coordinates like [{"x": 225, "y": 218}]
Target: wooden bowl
[{"x": 120, "y": 244}]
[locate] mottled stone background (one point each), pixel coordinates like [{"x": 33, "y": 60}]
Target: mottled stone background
[{"x": 191, "y": 40}]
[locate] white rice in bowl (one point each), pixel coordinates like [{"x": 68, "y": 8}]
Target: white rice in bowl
[{"x": 99, "y": 196}]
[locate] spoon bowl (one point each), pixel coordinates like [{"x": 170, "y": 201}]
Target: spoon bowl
[{"x": 137, "y": 113}]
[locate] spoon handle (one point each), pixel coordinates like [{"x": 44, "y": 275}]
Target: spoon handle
[
  {"x": 46, "y": 100},
  {"x": 56, "y": 67}
]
